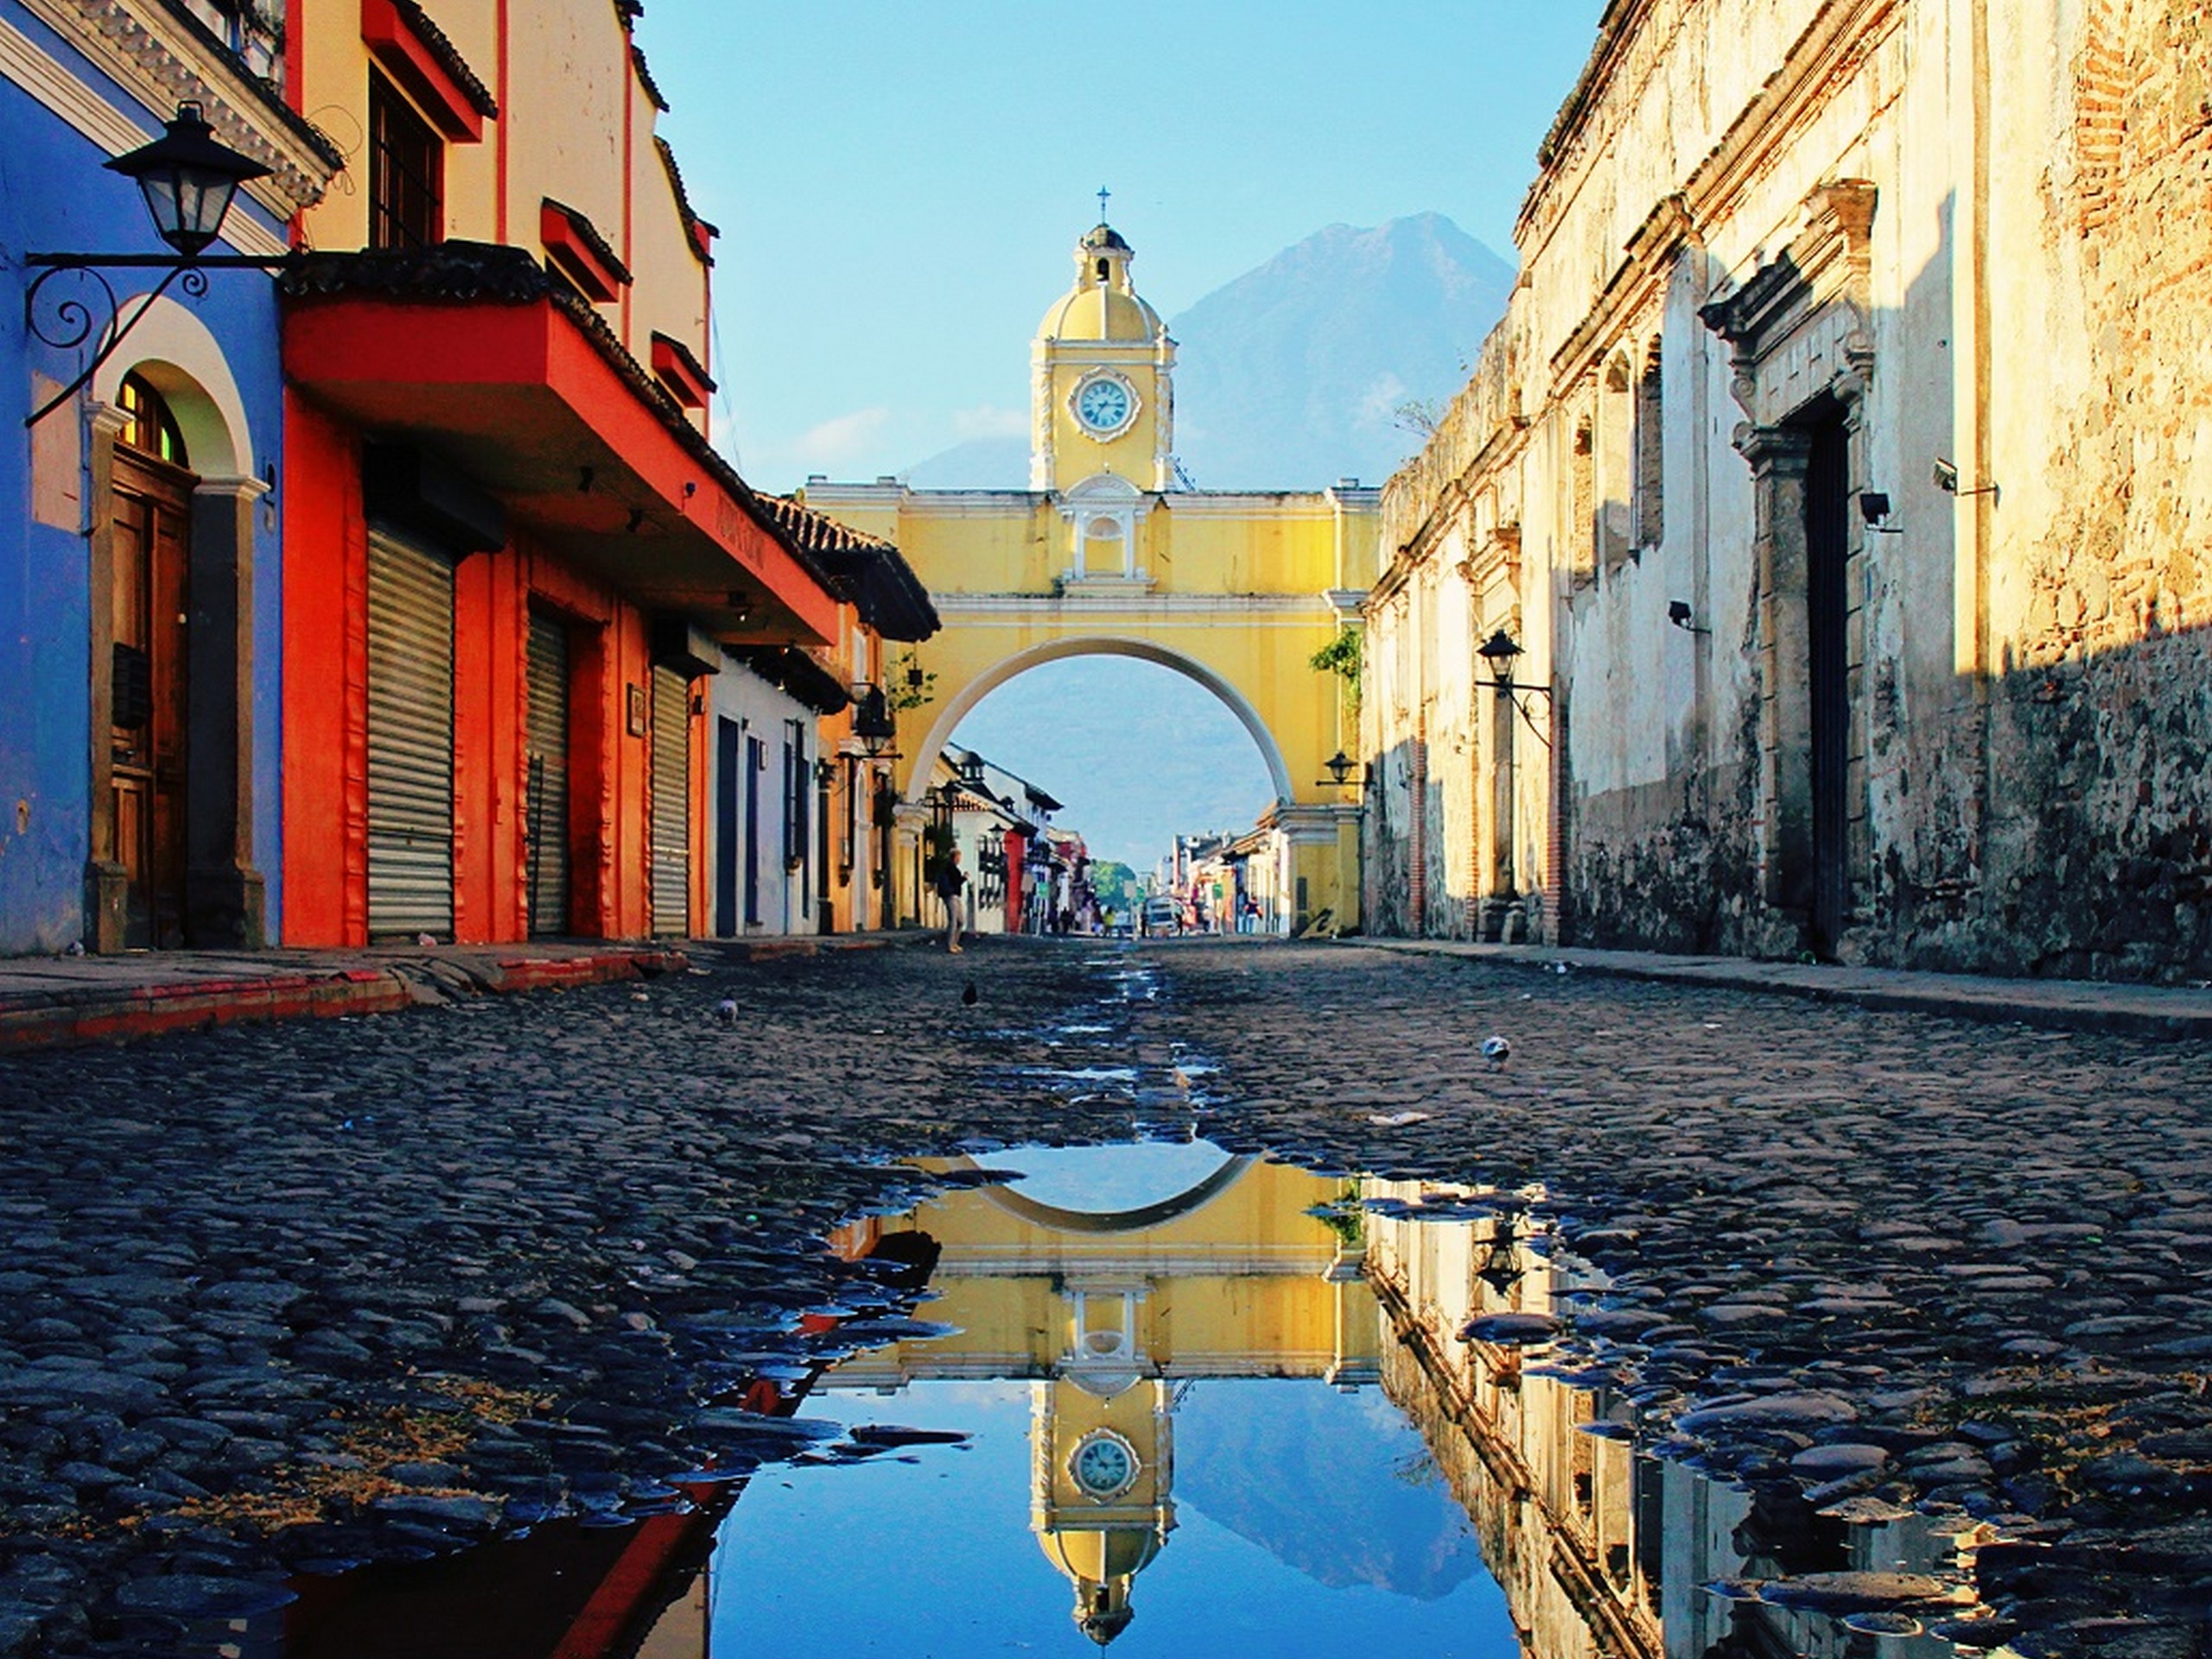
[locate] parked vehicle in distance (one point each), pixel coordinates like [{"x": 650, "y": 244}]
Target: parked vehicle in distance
[{"x": 1162, "y": 915}]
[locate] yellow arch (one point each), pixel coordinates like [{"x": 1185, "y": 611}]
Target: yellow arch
[{"x": 1101, "y": 645}]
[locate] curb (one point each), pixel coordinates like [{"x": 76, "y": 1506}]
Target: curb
[
  {"x": 2155, "y": 1011},
  {"x": 104, "y": 1014}
]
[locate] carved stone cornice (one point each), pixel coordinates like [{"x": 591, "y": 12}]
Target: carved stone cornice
[
  {"x": 162, "y": 59},
  {"x": 1499, "y": 552},
  {"x": 1770, "y": 450},
  {"x": 1824, "y": 59},
  {"x": 1829, "y": 263},
  {"x": 1650, "y": 254}
]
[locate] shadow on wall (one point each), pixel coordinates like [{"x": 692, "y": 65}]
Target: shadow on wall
[{"x": 1825, "y": 716}]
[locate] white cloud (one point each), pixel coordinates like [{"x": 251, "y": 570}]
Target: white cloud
[
  {"x": 840, "y": 440},
  {"x": 988, "y": 421},
  {"x": 1380, "y": 401}
]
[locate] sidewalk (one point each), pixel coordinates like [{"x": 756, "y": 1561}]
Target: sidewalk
[
  {"x": 47, "y": 1001},
  {"x": 2053, "y": 1004}
]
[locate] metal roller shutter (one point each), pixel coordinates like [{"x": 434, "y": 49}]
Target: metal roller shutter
[
  {"x": 671, "y": 803},
  {"x": 547, "y": 824},
  {"x": 410, "y": 740}
]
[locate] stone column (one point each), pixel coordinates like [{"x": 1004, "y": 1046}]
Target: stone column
[
  {"x": 224, "y": 904},
  {"x": 1779, "y": 457},
  {"x": 904, "y": 891},
  {"x": 1325, "y": 860},
  {"x": 107, "y": 884}
]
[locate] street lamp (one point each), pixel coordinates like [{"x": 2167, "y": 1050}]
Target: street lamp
[
  {"x": 188, "y": 178},
  {"x": 1340, "y": 767},
  {"x": 873, "y": 720},
  {"x": 1499, "y": 651}
]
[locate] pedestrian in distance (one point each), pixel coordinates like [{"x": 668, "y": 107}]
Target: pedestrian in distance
[{"x": 951, "y": 878}]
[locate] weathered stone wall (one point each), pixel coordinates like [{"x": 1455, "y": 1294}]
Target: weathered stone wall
[
  {"x": 2101, "y": 820},
  {"x": 1977, "y": 236}
]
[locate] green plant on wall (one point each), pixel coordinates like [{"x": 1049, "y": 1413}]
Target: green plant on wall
[
  {"x": 1341, "y": 656},
  {"x": 911, "y": 685}
]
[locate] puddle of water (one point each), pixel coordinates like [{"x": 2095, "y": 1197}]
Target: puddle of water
[
  {"x": 1260, "y": 1547},
  {"x": 1184, "y": 1402}
]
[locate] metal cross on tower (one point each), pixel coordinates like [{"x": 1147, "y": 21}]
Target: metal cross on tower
[{"x": 1102, "y": 193}]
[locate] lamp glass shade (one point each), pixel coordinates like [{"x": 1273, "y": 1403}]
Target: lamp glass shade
[
  {"x": 188, "y": 178},
  {"x": 871, "y": 720}
]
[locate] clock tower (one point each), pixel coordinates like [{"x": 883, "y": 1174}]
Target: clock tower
[{"x": 1102, "y": 405}]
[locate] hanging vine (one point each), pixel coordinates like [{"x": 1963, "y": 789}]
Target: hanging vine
[{"x": 1341, "y": 656}]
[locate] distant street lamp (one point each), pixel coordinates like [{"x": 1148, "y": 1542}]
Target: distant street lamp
[
  {"x": 873, "y": 722},
  {"x": 1499, "y": 651},
  {"x": 1340, "y": 767}
]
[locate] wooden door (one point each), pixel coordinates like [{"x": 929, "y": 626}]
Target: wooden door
[
  {"x": 1828, "y": 530},
  {"x": 756, "y": 762},
  {"x": 146, "y": 705},
  {"x": 730, "y": 760}
]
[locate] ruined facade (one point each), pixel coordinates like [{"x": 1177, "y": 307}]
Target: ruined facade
[{"x": 1836, "y": 473}]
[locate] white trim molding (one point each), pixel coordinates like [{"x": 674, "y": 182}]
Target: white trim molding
[{"x": 154, "y": 57}]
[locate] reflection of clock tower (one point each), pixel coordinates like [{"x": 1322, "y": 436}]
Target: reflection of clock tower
[
  {"x": 1102, "y": 1442},
  {"x": 1102, "y": 408}
]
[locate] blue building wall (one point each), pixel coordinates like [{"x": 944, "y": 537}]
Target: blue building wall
[{"x": 55, "y": 195}]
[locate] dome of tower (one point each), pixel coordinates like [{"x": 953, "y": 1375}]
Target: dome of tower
[{"x": 1102, "y": 306}]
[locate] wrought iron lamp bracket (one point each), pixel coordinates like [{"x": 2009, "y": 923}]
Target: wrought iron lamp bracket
[{"x": 67, "y": 321}]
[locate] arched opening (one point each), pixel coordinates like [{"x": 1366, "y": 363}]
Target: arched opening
[
  {"x": 1122, "y": 772},
  {"x": 983, "y": 685},
  {"x": 173, "y": 522},
  {"x": 149, "y": 596}
]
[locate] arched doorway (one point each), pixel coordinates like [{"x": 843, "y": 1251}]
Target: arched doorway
[
  {"x": 149, "y": 663},
  {"x": 176, "y": 507}
]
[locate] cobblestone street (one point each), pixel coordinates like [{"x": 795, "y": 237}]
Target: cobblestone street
[{"x": 295, "y": 1295}]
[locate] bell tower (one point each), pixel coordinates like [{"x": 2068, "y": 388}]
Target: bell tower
[
  {"x": 1102, "y": 1455},
  {"x": 1102, "y": 399}
]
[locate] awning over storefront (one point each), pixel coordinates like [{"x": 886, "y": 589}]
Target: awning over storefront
[{"x": 476, "y": 353}]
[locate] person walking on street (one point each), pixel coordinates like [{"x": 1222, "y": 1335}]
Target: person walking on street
[{"x": 951, "y": 878}]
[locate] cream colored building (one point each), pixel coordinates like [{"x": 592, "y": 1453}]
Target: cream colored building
[
  {"x": 1106, "y": 553},
  {"x": 1840, "y": 471}
]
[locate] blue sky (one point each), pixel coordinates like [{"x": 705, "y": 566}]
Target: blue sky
[{"x": 900, "y": 186}]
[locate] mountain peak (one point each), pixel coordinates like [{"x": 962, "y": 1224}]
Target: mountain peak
[{"x": 1291, "y": 376}]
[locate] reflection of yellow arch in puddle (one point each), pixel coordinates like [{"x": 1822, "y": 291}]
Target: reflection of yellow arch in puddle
[
  {"x": 1105, "y": 1312},
  {"x": 1157, "y": 1214}
]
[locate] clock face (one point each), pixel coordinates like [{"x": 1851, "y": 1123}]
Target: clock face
[
  {"x": 1103, "y": 405},
  {"x": 1103, "y": 1465}
]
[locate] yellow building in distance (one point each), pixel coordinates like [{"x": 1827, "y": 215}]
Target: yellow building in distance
[{"x": 1107, "y": 552}]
